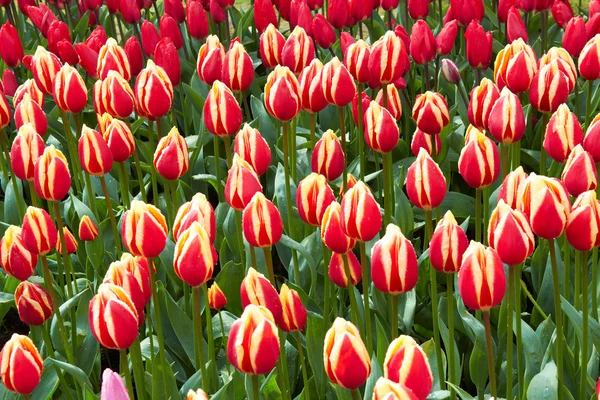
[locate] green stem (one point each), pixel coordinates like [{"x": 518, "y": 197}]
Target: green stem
[
  {"x": 577, "y": 287},
  {"x": 388, "y": 179},
  {"x": 209, "y": 330},
  {"x": 5, "y": 159},
  {"x": 140, "y": 177},
  {"x": 284, "y": 377},
  {"x": 451, "y": 306},
  {"x": 255, "y": 388},
  {"x": 505, "y": 160},
  {"x": 20, "y": 200},
  {"x": 558, "y": 316},
  {"x": 72, "y": 146},
  {"x": 595, "y": 283},
  {"x": 111, "y": 215},
  {"x": 585, "y": 314},
  {"x": 223, "y": 341},
  {"x": 353, "y": 305},
  {"x": 240, "y": 237},
  {"x": 168, "y": 203},
  {"x": 343, "y": 138},
  {"x": 269, "y": 261},
  {"x": 394, "y": 319},
  {"x": 366, "y": 283},
  {"x": 126, "y": 373},
  {"x": 361, "y": 137},
  {"x": 490, "y": 352},
  {"x": 520, "y": 361},
  {"x": 90, "y": 193},
  {"x": 227, "y": 141},
  {"x": 218, "y": 168},
  {"x": 51, "y": 353},
  {"x": 313, "y": 128},
  {"x": 486, "y": 213},
  {"x": 326, "y": 282},
  {"x": 545, "y": 118},
  {"x": 544, "y": 32},
  {"x": 356, "y": 395},
  {"x": 588, "y": 108},
  {"x": 292, "y": 143},
  {"x": 124, "y": 185},
  {"x": 135, "y": 352},
  {"x": 302, "y": 362},
  {"x": 198, "y": 335},
  {"x": 70, "y": 273},
  {"x": 288, "y": 196},
  {"x": 252, "y": 259},
  {"x": 34, "y": 196},
  {"x": 509, "y": 334},
  {"x": 478, "y": 215},
  {"x": 152, "y": 169},
  {"x": 156, "y": 298}
]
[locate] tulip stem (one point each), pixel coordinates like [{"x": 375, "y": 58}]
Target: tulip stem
[
  {"x": 135, "y": 352},
  {"x": 124, "y": 185},
  {"x": 585, "y": 314},
  {"x": 356, "y": 395},
  {"x": 545, "y": 118},
  {"x": 72, "y": 149},
  {"x": 313, "y": 128},
  {"x": 140, "y": 177},
  {"x": 20, "y": 200},
  {"x": 353, "y": 305},
  {"x": 361, "y": 136},
  {"x": 394, "y": 319},
  {"x": 516, "y": 270},
  {"x": 366, "y": 283},
  {"x": 252, "y": 259},
  {"x": 509, "y": 333},
  {"x": 269, "y": 261},
  {"x": 228, "y": 151},
  {"x": 486, "y": 213},
  {"x": 69, "y": 271},
  {"x": 223, "y": 336},
  {"x": 588, "y": 107},
  {"x": 490, "y": 351},
  {"x": 343, "y": 138},
  {"x": 209, "y": 330},
  {"x": 51, "y": 353},
  {"x": 505, "y": 159},
  {"x": 217, "y": 168},
  {"x": 283, "y": 367},
  {"x": 6, "y": 159},
  {"x": 152, "y": 169},
  {"x": 33, "y": 193},
  {"x": 302, "y": 362},
  {"x": 111, "y": 215},
  {"x": 198, "y": 335},
  {"x": 451, "y": 306},
  {"x": 126, "y": 372},
  {"x": 90, "y": 193},
  {"x": 326, "y": 282},
  {"x": 477, "y": 215},
  {"x": 240, "y": 238},
  {"x": 594, "y": 283},
  {"x": 255, "y": 387},
  {"x": 434, "y": 302},
  {"x": 288, "y": 196},
  {"x": 557, "y": 316},
  {"x": 157, "y": 304}
]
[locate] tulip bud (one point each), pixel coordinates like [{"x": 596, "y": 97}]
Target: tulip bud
[
  {"x": 394, "y": 266},
  {"x": 17, "y": 260},
  {"x": 590, "y": 142},
  {"x": 394, "y": 104},
  {"x": 120, "y": 275},
  {"x": 509, "y": 190},
  {"x": 199, "y": 394},
  {"x": 338, "y": 13},
  {"x": 418, "y": 9},
  {"x": 196, "y": 20},
  {"x": 445, "y": 39},
  {"x": 130, "y": 11},
  {"x": 430, "y": 112},
  {"x": 193, "y": 259},
  {"x": 303, "y": 17},
  {"x": 406, "y": 363},
  {"x": 356, "y": 59},
  {"x": 150, "y": 37},
  {"x": 386, "y": 389},
  {"x": 171, "y": 158},
  {"x": 144, "y": 230},
  {"x": 42, "y": 17},
  {"x": 575, "y": 36},
  {"x": 380, "y": 130},
  {"x": 579, "y": 174},
  {"x": 366, "y": 101},
  {"x": 515, "y": 67},
  {"x": 67, "y": 52},
  {"x": 222, "y": 113},
  {"x": 97, "y": 39},
  {"x": 45, "y": 66},
  {"x": 216, "y": 297},
  {"x": 563, "y": 133},
  {"x": 337, "y": 269},
  {"x": 253, "y": 148},
  {"x": 425, "y": 182},
  {"x": 479, "y": 46},
  {"x": 311, "y": 89},
  {"x": 479, "y": 161},
  {"x": 346, "y": 40},
  {"x": 257, "y": 290},
  {"x": 170, "y": 29},
  {"x": 421, "y": 140},
  {"x": 450, "y": 72},
  {"x": 332, "y": 234},
  {"x": 119, "y": 139},
  {"x": 545, "y": 203},
  {"x": 422, "y": 43},
  {"x": 298, "y": 50},
  {"x": 112, "y": 57},
  {"x": 253, "y": 343},
  {"x": 95, "y": 156},
  {"x": 282, "y": 94},
  {"x": 217, "y": 13},
  {"x": 360, "y": 214},
  {"x": 271, "y": 45},
  {"x": 88, "y": 230},
  {"x": 510, "y": 235},
  {"x": 325, "y": 35},
  {"x": 57, "y": 31},
  {"x": 589, "y": 60},
  {"x": 166, "y": 57},
  {"x": 21, "y": 365},
  {"x": 549, "y": 89},
  {"x": 583, "y": 225},
  {"x": 313, "y": 196},
  {"x": 26, "y": 149},
  {"x": 447, "y": 245},
  {"x": 27, "y": 111},
  {"x": 261, "y": 222},
  {"x": 388, "y": 58},
  {"x": 198, "y": 209},
  {"x": 515, "y": 27},
  {"x": 133, "y": 50},
  {"x": 113, "y": 386},
  {"x": 138, "y": 267},
  {"x": 11, "y": 50},
  {"x": 210, "y": 60},
  {"x": 294, "y": 313},
  {"x": 264, "y": 15},
  {"x": 70, "y": 92},
  {"x": 51, "y": 175},
  {"x": 113, "y": 317},
  {"x": 88, "y": 59},
  {"x": 31, "y": 88},
  {"x": 242, "y": 184},
  {"x": 483, "y": 98},
  {"x": 153, "y": 92},
  {"x": 347, "y": 362},
  {"x": 506, "y": 120},
  {"x": 70, "y": 243},
  {"x": 563, "y": 61},
  {"x": 34, "y": 304},
  {"x": 238, "y": 71}
]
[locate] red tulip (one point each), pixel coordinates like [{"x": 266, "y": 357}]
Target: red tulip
[
  {"x": 44, "y": 67},
  {"x": 216, "y": 297},
  {"x": 549, "y": 88},
  {"x": 380, "y": 130},
  {"x": 150, "y": 37},
  {"x": 422, "y": 140},
  {"x": 133, "y": 49},
  {"x": 406, "y": 363},
  {"x": 130, "y": 12},
  {"x": 515, "y": 67},
  {"x": 21, "y": 365},
  {"x": 589, "y": 61},
  {"x": 261, "y": 222},
  {"x": 338, "y": 13},
  {"x": 311, "y": 88},
  {"x": 483, "y": 99},
  {"x": 563, "y": 133},
  {"x": 510, "y": 235},
  {"x": 238, "y": 71},
  {"x": 253, "y": 148},
  {"x": 509, "y": 191},
  {"x": 394, "y": 266},
  {"x": 196, "y": 20},
  {"x": 575, "y": 36},
  {"x": 88, "y": 59},
  {"x": 210, "y": 60},
  {"x": 562, "y": 12},
  {"x": 580, "y": 173},
  {"x": 425, "y": 182},
  {"x": 298, "y": 50},
  {"x": 222, "y": 113},
  {"x": 144, "y": 230},
  {"x": 197, "y": 209},
  {"x": 38, "y": 234},
  {"x": 166, "y": 57},
  {"x": 16, "y": 260},
  {"x": 583, "y": 225},
  {"x": 479, "y": 46},
  {"x": 506, "y": 119},
  {"x": 467, "y": 11},
  {"x": 430, "y": 112},
  {"x": 337, "y": 269},
  {"x": 264, "y": 15},
  {"x": 515, "y": 27},
  {"x": 113, "y": 317},
  {"x": 11, "y": 50},
  {"x": 294, "y": 312},
  {"x": 447, "y": 245},
  {"x": 282, "y": 94},
  {"x": 193, "y": 260},
  {"x": 360, "y": 214},
  {"x": 313, "y": 196},
  {"x": 388, "y": 58},
  {"x": 153, "y": 92},
  {"x": 88, "y": 230},
  {"x": 33, "y": 302},
  {"x": 171, "y": 159},
  {"x": 52, "y": 179},
  {"x": 323, "y": 32},
  {"x": 242, "y": 184},
  {"x": 422, "y": 43},
  {"x": 258, "y": 291},
  {"x": 332, "y": 234},
  {"x": 27, "y": 147},
  {"x": 479, "y": 161},
  {"x": 446, "y": 38}
]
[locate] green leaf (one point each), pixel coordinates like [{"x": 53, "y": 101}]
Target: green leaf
[
  {"x": 292, "y": 244},
  {"x": 315, "y": 339},
  {"x": 182, "y": 325},
  {"x": 74, "y": 371},
  {"x": 545, "y": 384},
  {"x": 376, "y": 373},
  {"x": 461, "y": 393},
  {"x": 6, "y": 298},
  {"x": 429, "y": 349}
]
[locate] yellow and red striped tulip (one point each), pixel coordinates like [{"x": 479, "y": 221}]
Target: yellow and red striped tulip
[
  {"x": 483, "y": 98},
  {"x": 347, "y": 362},
  {"x": 360, "y": 215},
  {"x": 197, "y": 209},
  {"x": 380, "y": 130},
  {"x": 311, "y": 88},
  {"x": 144, "y": 230},
  {"x": 253, "y": 148},
  {"x": 328, "y": 157},
  {"x": 481, "y": 278},
  {"x": 118, "y": 137},
  {"x": 27, "y": 111},
  {"x": 510, "y": 235},
  {"x": 261, "y": 222},
  {"x": 95, "y": 156},
  {"x": 4, "y": 111},
  {"x": 356, "y": 59},
  {"x": 509, "y": 190},
  {"x": 430, "y": 112},
  {"x": 583, "y": 226},
  {"x": 589, "y": 59},
  {"x": 153, "y": 92},
  {"x": 579, "y": 174},
  {"x": 199, "y": 394},
  {"x": 388, "y": 60},
  {"x": 38, "y": 233},
  {"x": 257, "y": 290},
  {"x": 338, "y": 85},
  {"x": 506, "y": 120},
  {"x": 27, "y": 147},
  {"x": 242, "y": 184},
  {"x": 337, "y": 269},
  {"x": 171, "y": 158},
  {"x": 394, "y": 103},
  {"x": 515, "y": 66},
  {"x": 17, "y": 260},
  {"x": 21, "y": 365},
  {"x": 591, "y": 140},
  {"x": 113, "y": 317},
  {"x": 332, "y": 233},
  {"x": 120, "y": 275},
  {"x": 237, "y": 70},
  {"x": 294, "y": 313},
  {"x": 394, "y": 266},
  {"x": 210, "y": 60},
  {"x": 313, "y": 196},
  {"x": 222, "y": 113},
  {"x": 253, "y": 342},
  {"x": 88, "y": 230},
  {"x": 298, "y": 50},
  {"x": 563, "y": 60},
  {"x": 51, "y": 175},
  {"x": 448, "y": 244},
  {"x": 271, "y": 46},
  {"x": 70, "y": 92},
  {"x": 282, "y": 94},
  {"x": 193, "y": 260},
  {"x": 113, "y": 95},
  {"x": 70, "y": 242},
  {"x": 386, "y": 389},
  {"x": 216, "y": 297},
  {"x": 563, "y": 133},
  {"x": 33, "y": 302},
  {"x": 112, "y": 57},
  {"x": 31, "y": 88},
  {"x": 138, "y": 266},
  {"x": 425, "y": 182},
  {"x": 406, "y": 363},
  {"x": 549, "y": 88},
  {"x": 479, "y": 161},
  {"x": 44, "y": 67},
  {"x": 421, "y": 140}
]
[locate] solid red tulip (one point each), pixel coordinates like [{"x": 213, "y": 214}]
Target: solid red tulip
[
  {"x": 479, "y": 46},
  {"x": 88, "y": 59},
  {"x": 133, "y": 50},
  {"x": 325, "y": 35},
  {"x": 264, "y": 15},
  {"x": 418, "y": 8},
  {"x": 11, "y": 50},
  {"x": 422, "y": 43},
  {"x": 196, "y": 20},
  {"x": 57, "y": 32},
  {"x": 169, "y": 28},
  {"x": 166, "y": 57},
  {"x": 575, "y": 36},
  {"x": 515, "y": 27},
  {"x": 338, "y": 13},
  {"x": 446, "y": 38},
  {"x": 150, "y": 37},
  {"x": 467, "y": 11},
  {"x": 562, "y": 12}
]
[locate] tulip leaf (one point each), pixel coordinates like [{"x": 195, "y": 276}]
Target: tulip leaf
[
  {"x": 6, "y": 298},
  {"x": 460, "y": 204},
  {"x": 545, "y": 384},
  {"x": 376, "y": 373},
  {"x": 81, "y": 28},
  {"x": 11, "y": 214},
  {"x": 47, "y": 386},
  {"x": 163, "y": 382},
  {"x": 195, "y": 97},
  {"x": 461, "y": 393},
  {"x": 182, "y": 325},
  {"x": 429, "y": 349},
  {"x": 230, "y": 279},
  {"x": 315, "y": 339},
  {"x": 88, "y": 349},
  {"x": 265, "y": 124},
  {"x": 74, "y": 371},
  {"x": 292, "y": 244},
  {"x": 576, "y": 319},
  {"x": 439, "y": 395},
  {"x": 269, "y": 387}
]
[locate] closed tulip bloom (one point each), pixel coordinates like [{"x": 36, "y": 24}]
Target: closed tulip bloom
[
  {"x": 380, "y": 130},
  {"x": 113, "y": 386},
  {"x": 583, "y": 224},
  {"x": 264, "y": 15},
  {"x": 253, "y": 148},
  {"x": 171, "y": 158},
  {"x": 271, "y": 45},
  {"x": 95, "y": 156},
  {"x": 9, "y": 82},
  {"x": 346, "y": 40},
  {"x": 445, "y": 39},
  {"x": 27, "y": 111},
  {"x": 545, "y": 203},
  {"x": 421, "y": 140},
  {"x": 119, "y": 139},
  {"x": 193, "y": 260},
  {"x": 332, "y": 234},
  {"x": 311, "y": 88},
  {"x": 360, "y": 214},
  {"x": 562, "y": 13},
  {"x": 27, "y": 147},
  {"x": 44, "y": 66},
  {"x": 133, "y": 50},
  {"x": 479, "y": 46},
  {"x": 222, "y": 113},
  {"x": 253, "y": 342},
  {"x": 4, "y": 111},
  {"x": 242, "y": 184},
  {"x": 510, "y": 235},
  {"x": 394, "y": 266},
  {"x": 112, "y": 57},
  {"x": 261, "y": 222},
  {"x": 33, "y": 302},
  {"x": 144, "y": 230},
  {"x": 388, "y": 58},
  {"x": 40, "y": 16},
  {"x": 509, "y": 190},
  {"x": 97, "y": 39},
  {"x": 198, "y": 209},
  {"x": 347, "y": 362},
  {"x": 11, "y": 50},
  {"x": 356, "y": 59},
  {"x": 130, "y": 11},
  {"x": 138, "y": 266},
  {"x": 166, "y": 57},
  {"x": 313, "y": 196},
  {"x": 21, "y": 365},
  {"x": 196, "y": 20},
  {"x": 483, "y": 98},
  {"x": 118, "y": 274},
  {"x": 386, "y": 389},
  {"x": 430, "y": 112},
  {"x": 425, "y": 182},
  {"x": 51, "y": 175},
  {"x": 479, "y": 161},
  {"x": 216, "y": 297},
  {"x": 38, "y": 233},
  {"x": 150, "y": 37},
  {"x": 304, "y": 17},
  {"x": 394, "y": 105},
  {"x": 337, "y": 269},
  {"x": 197, "y": 395},
  {"x": 515, "y": 66},
  {"x": 257, "y": 290},
  {"x": 589, "y": 61},
  {"x": 481, "y": 278},
  {"x": 294, "y": 312},
  {"x": 575, "y": 36},
  {"x": 591, "y": 143},
  {"x": 563, "y": 133},
  {"x": 406, "y": 363},
  {"x": 31, "y": 88},
  {"x": 70, "y": 243},
  {"x": 153, "y": 92},
  {"x": 506, "y": 120},
  {"x": 549, "y": 88},
  {"x": 88, "y": 230},
  {"x": 579, "y": 174},
  {"x": 447, "y": 245},
  {"x": 17, "y": 260},
  {"x": 325, "y": 35},
  {"x": 564, "y": 62},
  {"x": 238, "y": 71},
  {"x": 67, "y": 53},
  {"x": 282, "y": 94},
  {"x": 169, "y": 28},
  {"x": 467, "y": 10},
  {"x": 57, "y": 32},
  {"x": 422, "y": 43},
  {"x": 217, "y": 13},
  {"x": 515, "y": 27},
  {"x": 70, "y": 92},
  {"x": 113, "y": 317},
  {"x": 450, "y": 72},
  {"x": 298, "y": 50},
  {"x": 366, "y": 101},
  {"x": 338, "y": 13},
  {"x": 418, "y": 8},
  {"x": 88, "y": 59}
]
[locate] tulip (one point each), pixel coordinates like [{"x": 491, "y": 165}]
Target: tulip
[
  {"x": 563, "y": 133},
  {"x": 509, "y": 190},
  {"x": 193, "y": 259},
  {"x": 11, "y": 50},
  {"x": 257, "y": 290},
  {"x": 20, "y": 365},
  {"x": 138, "y": 267},
  {"x": 174, "y": 8},
  {"x": 31, "y": 88},
  {"x": 549, "y": 88},
  {"x": 356, "y": 59},
  {"x": 51, "y": 175},
  {"x": 332, "y": 233},
  {"x": 27, "y": 111},
  {"x": 366, "y": 101},
  {"x": 575, "y": 36},
  {"x": 515, "y": 67},
  {"x": 17, "y": 260},
  {"x": 406, "y": 363},
  {"x": 447, "y": 245},
  {"x": 583, "y": 224},
  {"x": 563, "y": 60},
  {"x": 261, "y": 222},
  {"x": 271, "y": 45},
  {"x": 38, "y": 235},
  {"x": 430, "y": 112},
  {"x": 298, "y": 50},
  {"x": 113, "y": 387},
  {"x": 171, "y": 158},
  {"x": 133, "y": 50},
  {"x": 95, "y": 156},
  {"x": 169, "y": 28},
  {"x": 70, "y": 243},
  {"x": 593, "y": 8},
  {"x": 198, "y": 395},
  {"x": 253, "y": 148},
  {"x": 467, "y": 10},
  {"x": 506, "y": 118},
  {"x": 545, "y": 203},
  {"x": 97, "y": 39},
  {"x": 380, "y": 130},
  {"x": 57, "y": 31},
  {"x": 425, "y": 182},
  {"x": 589, "y": 62},
  {"x": 304, "y": 17},
  {"x": 217, "y": 13},
  {"x": 446, "y": 38},
  {"x": 579, "y": 174},
  {"x": 166, "y": 57},
  {"x": 483, "y": 98},
  {"x": 346, "y": 40},
  {"x": 394, "y": 104},
  {"x": 44, "y": 67},
  {"x": 216, "y": 297},
  {"x": 222, "y": 113},
  {"x": 112, "y": 57},
  {"x": 253, "y": 343},
  {"x": 479, "y": 46},
  {"x": 88, "y": 230},
  {"x": 4, "y": 112},
  {"x": 34, "y": 304},
  {"x": 422, "y": 43},
  {"x": 388, "y": 58},
  {"x": 70, "y": 92},
  {"x": 88, "y": 59},
  {"x": 479, "y": 161},
  {"x": 196, "y": 20},
  {"x": 42, "y": 17},
  {"x": 242, "y": 184},
  {"x": 67, "y": 53},
  {"x": 421, "y": 140},
  {"x": 590, "y": 141},
  {"x": 562, "y": 13},
  {"x": 113, "y": 317},
  {"x": 338, "y": 13},
  {"x": 515, "y": 27},
  {"x": 282, "y": 94},
  {"x": 337, "y": 269},
  {"x": 294, "y": 313},
  {"x": 26, "y": 149},
  {"x": 130, "y": 12},
  {"x": 150, "y": 38},
  {"x": 238, "y": 71},
  {"x": 418, "y": 9},
  {"x": 119, "y": 139},
  {"x": 361, "y": 9},
  {"x": 153, "y": 92},
  {"x": 386, "y": 389},
  {"x": 360, "y": 214},
  {"x": 144, "y": 230},
  {"x": 313, "y": 197},
  {"x": 311, "y": 88},
  {"x": 510, "y": 235},
  {"x": 9, "y": 82},
  {"x": 394, "y": 263},
  {"x": 264, "y": 15},
  {"x": 120, "y": 275},
  {"x": 198, "y": 209},
  {"x": 347, "y": 362},
  {"x": 325, "y": 36}
]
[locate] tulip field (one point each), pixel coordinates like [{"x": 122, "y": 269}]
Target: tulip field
[{"x": 299, "y": 199}]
